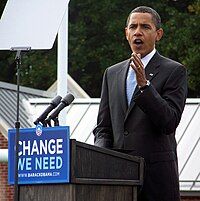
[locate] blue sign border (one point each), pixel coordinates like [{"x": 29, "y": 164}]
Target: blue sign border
[{"x": 26, "y": 173}]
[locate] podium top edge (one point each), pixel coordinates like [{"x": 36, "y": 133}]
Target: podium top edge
[{"x": 107, "y": 151}]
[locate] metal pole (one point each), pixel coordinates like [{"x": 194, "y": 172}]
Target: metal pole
[
  {"x": 62, "y": 69},
  {"x": 17, "y": 123},
  {"x": 17, "y": 126}
]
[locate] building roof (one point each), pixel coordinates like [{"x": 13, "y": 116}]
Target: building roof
[
  {"x": 8, "y": 102},
  {"x": 81, "y": 116},
  {"x": 8, "y": 105},
  {"x": 188, "y": 139},
  {"x": 73, "y": 88}
]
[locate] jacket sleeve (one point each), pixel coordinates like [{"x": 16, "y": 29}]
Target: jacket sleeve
[
  {"x": 165, "y": 109},
  {"x": 103, "y": 132}
]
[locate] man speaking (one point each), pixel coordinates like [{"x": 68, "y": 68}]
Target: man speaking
[{"x": 142, "y": 101}]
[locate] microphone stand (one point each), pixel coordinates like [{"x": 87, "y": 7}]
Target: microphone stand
[
  {"x": 17, "y": 123},
  {"x": 47, "y": 122},
  {"x": 56, "y": 121}
]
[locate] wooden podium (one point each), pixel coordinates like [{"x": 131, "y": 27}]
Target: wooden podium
[{"x": 97, "y": 174}]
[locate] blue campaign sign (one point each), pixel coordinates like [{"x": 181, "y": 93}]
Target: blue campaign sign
[{"x": 43, "y": 155}]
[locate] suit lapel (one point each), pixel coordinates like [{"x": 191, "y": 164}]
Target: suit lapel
[
  {"x": 152, "y": 67},
  {"x": 151, "y": 70},
  {"x": 121, "y": 81}
]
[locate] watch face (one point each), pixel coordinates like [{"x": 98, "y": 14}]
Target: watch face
[{"x": 145, "y": 86}]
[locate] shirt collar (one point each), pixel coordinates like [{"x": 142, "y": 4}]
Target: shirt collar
[{"x": 145, "y": 60}]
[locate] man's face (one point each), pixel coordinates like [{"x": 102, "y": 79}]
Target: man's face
[{"x": 141, "y": 33}]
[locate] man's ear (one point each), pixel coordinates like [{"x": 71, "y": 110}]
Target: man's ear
[
  {"x": 126, "y": 32},
  {"x": 159, "y": 34}
]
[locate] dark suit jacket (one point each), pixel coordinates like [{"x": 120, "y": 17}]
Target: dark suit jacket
[{"x": 147, "y": 127}]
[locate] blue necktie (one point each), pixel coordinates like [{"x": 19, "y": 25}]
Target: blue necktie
[{"x": 130, "y": 84}]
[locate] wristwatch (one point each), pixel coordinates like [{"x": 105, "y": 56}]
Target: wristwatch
[{"x": 145, "y": 86}]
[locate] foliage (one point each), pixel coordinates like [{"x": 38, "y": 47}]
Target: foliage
[{"x": 96, "y": 41}]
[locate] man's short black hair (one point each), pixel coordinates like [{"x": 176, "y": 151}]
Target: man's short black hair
[{"x": 144, "y": 9}]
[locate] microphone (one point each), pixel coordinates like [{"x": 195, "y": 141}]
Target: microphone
[
  {"x": 52, "y": 105},
  {"x": 67, "y": 100}
]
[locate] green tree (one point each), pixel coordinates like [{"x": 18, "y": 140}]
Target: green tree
[
  {"x": 181, "y": 40},
  {"x": 97, "y": 38}
]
